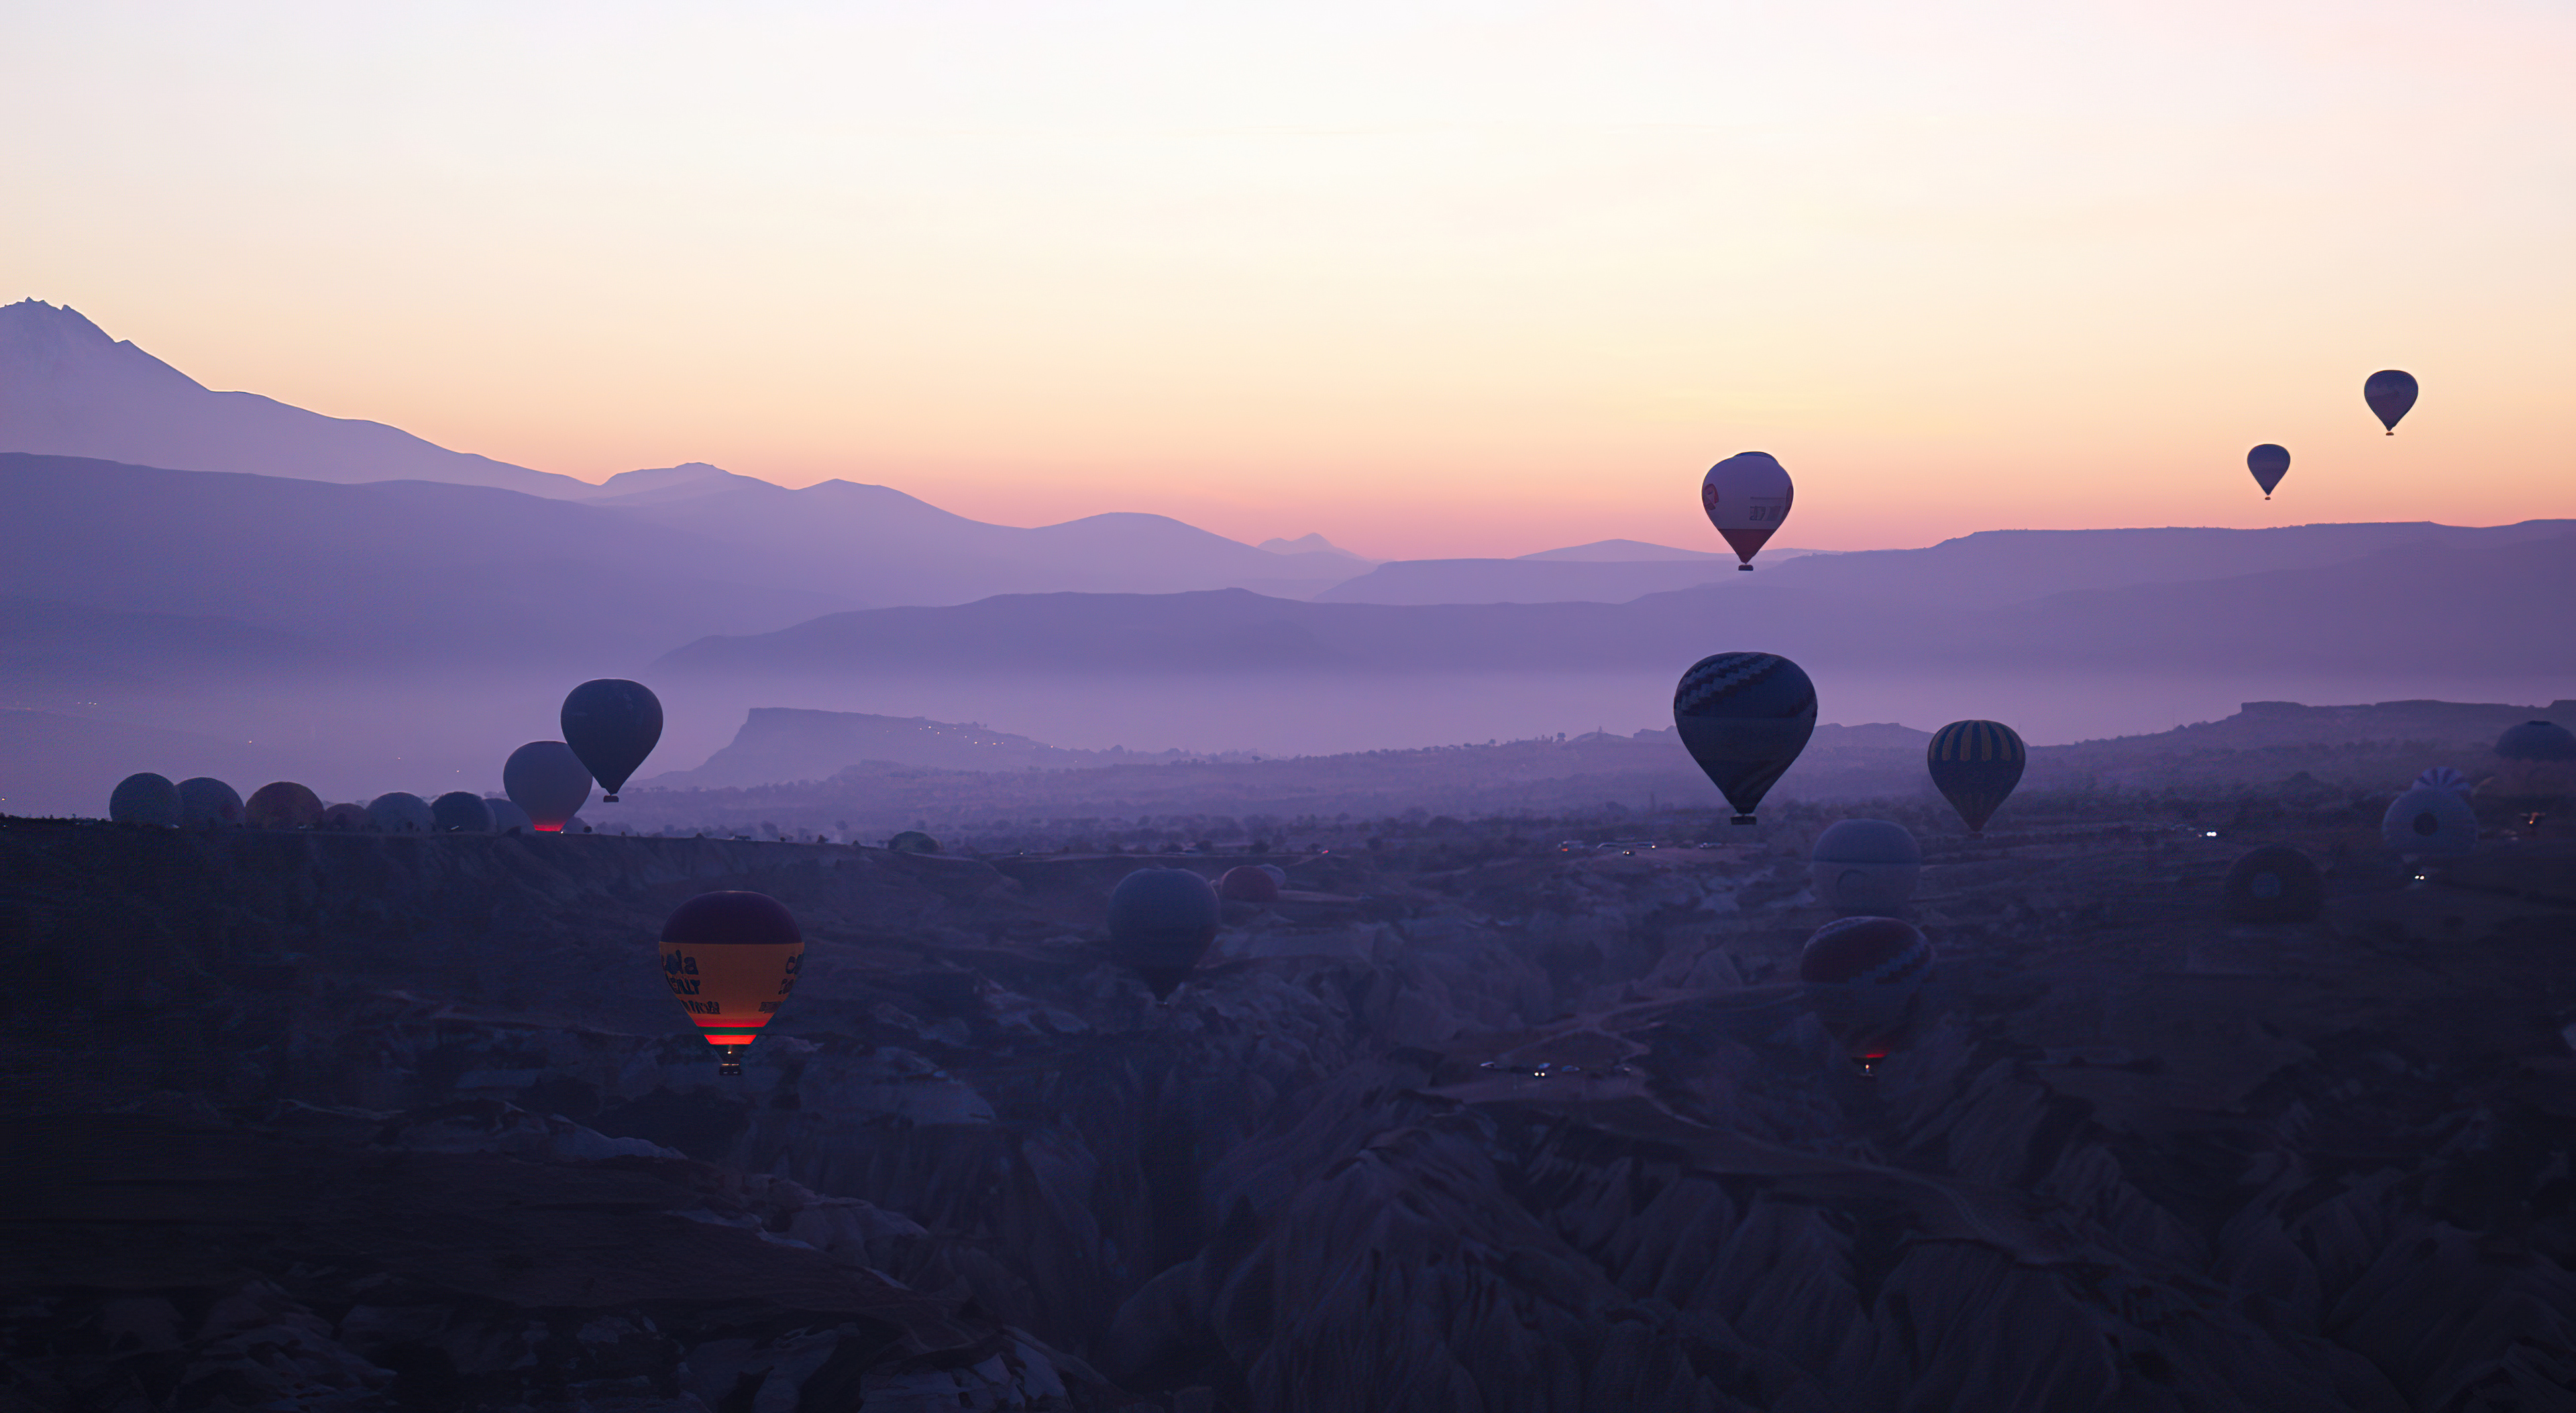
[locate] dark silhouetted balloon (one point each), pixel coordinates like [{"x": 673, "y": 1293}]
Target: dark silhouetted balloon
[
  {"x": 612, "y": 724},
  {"x": 2275, "y": 883},
  {"x": 145, "y": 798},
  {"x": 507, "y": 818},
  {"x": 1277, "y": 874},
  {"x": 460, "y": 812},
  {"x": 1746, "y": 496},
  {"x": 1975, "y": 765},
  {"x": 1744, "y": 718},
  {"x": 1864, "y": 977},
  {"x": 2269, "y": 464},
  {"x": 2536, "y": 740},
  {"x": 399, "y": 813},
  {"x": 2390, "y": 393},
  {"x": 731, "y": 959},
  {"x": 913, "y": 841},
  {"x": 345, "y": 819},
  {"x": 208, "y": 803},
  {"x": 2430, "y": 820},
  {"x": 282, "y": 804},
  {"x": 1161, "y": 921},
  {"x": 1865, "y": 865},
  {"x": 548, "y": 781},
  {"x": 2535, "y": 772},
  {"x": 1248, "y": 883}
]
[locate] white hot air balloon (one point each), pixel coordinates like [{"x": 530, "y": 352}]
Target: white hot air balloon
[
  {"x": 1746, "y": 496},
  {"x": 2430, "y": 820}
]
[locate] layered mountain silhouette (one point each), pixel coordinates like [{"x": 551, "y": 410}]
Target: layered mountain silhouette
[
  {"x": 2472, "y": 601},
  {"x": 68, "y": 389},
  {"x": 788, "y": 743}
]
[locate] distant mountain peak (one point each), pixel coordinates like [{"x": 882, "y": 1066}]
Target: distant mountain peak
[
  {"x": 1310, "y": 543},
  {"x": 689, "y": 478},
  {"x": 67, "y": 388}
]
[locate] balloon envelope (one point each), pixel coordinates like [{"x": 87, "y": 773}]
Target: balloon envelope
[
  {"x": 2430, "y": 819},
  {"x": 1248, "y": 883},
  {"x": 913, "y": 841},
  {"x": 2390, "y": 393},
  {"x": 731, "y": 959},
  {"x": 1161, "y": 921},
  {"x": 2442, "y": 777},
  {"x": 2269, "y": 463},
  {"x": 1277, "y": 874},
  {"x": 2275, "y": 883},
  {"x": 208, "y": 803},
  {"x": 1865, "y": 865},
  {"x": 460, "y": 812},
  {"x": 345, "y": 819},
  {"x": 612, "y": 725},
  {"x": 1862, "y": 975},
  {"x": 2537, "y": 740},
  {"x": 548, "y": 781},
  {"x": 399, "y": 813},
  {"x": 1746, "y": 496},
  {"x": 1744, "y": 718},
  {"x": 282, "y": 804},
  {"x": 1975, "y": 765},
  {"x": 507, "y": 817},
  {"x": 145, "y": 798}
]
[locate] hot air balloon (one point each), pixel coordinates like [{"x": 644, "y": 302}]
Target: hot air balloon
[
  {"x": 913, "y": 841},
  {"x": 399, "y": 813},
  {"x": 1975, "y": 765},
  {"x": 507, "y": 818},
  {"x": 2390, "y": 393},
  {"x": 2430, "y": 820},
  {"x": 460, "y": 812},
  {"x": 2275, "y": 883},
  {"x": 2442, "y": 777},
  {"x": 1248, "y": 883},
  {"x": 1161, "y": 921},
  {"x": 208, "y": 803},
  {"x": 612, "y": 724},
  {"x": 1865, "y": 865},
  {"x": 344, "y": 819},
  {"x": 1864, "y": 976},
  {"x": 282, "y": 804},
  {"x": 1746, "y": 496},
  {"x": 2269, "y": 464},
  {"x": 1744, "y": 717},
  {"x": 548, "y": 781},
  {"x": 731, "y": 959},
  {"x": 2535, "y": 771},
  {"x": 1277, "y": 874},
  {"x": 145, "y": 798}
]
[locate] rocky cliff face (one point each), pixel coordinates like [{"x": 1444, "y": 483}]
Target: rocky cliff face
[{"x": 316, "y": 1121}]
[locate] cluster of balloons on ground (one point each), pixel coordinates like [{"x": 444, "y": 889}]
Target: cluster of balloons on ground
[{"x": 609, "y": 727}]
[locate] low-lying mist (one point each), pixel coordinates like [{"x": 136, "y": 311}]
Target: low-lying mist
[{"x": 64, "y": 746}]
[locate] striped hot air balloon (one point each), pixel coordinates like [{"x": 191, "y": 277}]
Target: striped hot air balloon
[
  {"x": 1864, "y": 977},
  {"x": 2442, "y": 777},
  {"x": 1975, "y": 765},
  {"x": 1744, "y": 717}
]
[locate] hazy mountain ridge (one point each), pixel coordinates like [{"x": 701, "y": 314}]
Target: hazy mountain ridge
[
  {"x": 789, "y": 743},
  {"x": 2481, "y": 603},
  {"x": 68, "y": 389},
  {"x": 2266, "y": 751}
]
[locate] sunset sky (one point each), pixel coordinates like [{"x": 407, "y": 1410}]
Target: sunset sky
[{"x": 1445, "y": 279}]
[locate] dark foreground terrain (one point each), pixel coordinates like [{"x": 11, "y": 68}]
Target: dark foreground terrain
[{"x": 319, "y": 1122}]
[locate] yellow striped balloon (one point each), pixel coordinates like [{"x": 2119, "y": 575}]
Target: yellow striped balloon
[{"x": 1975, "y": 765}]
